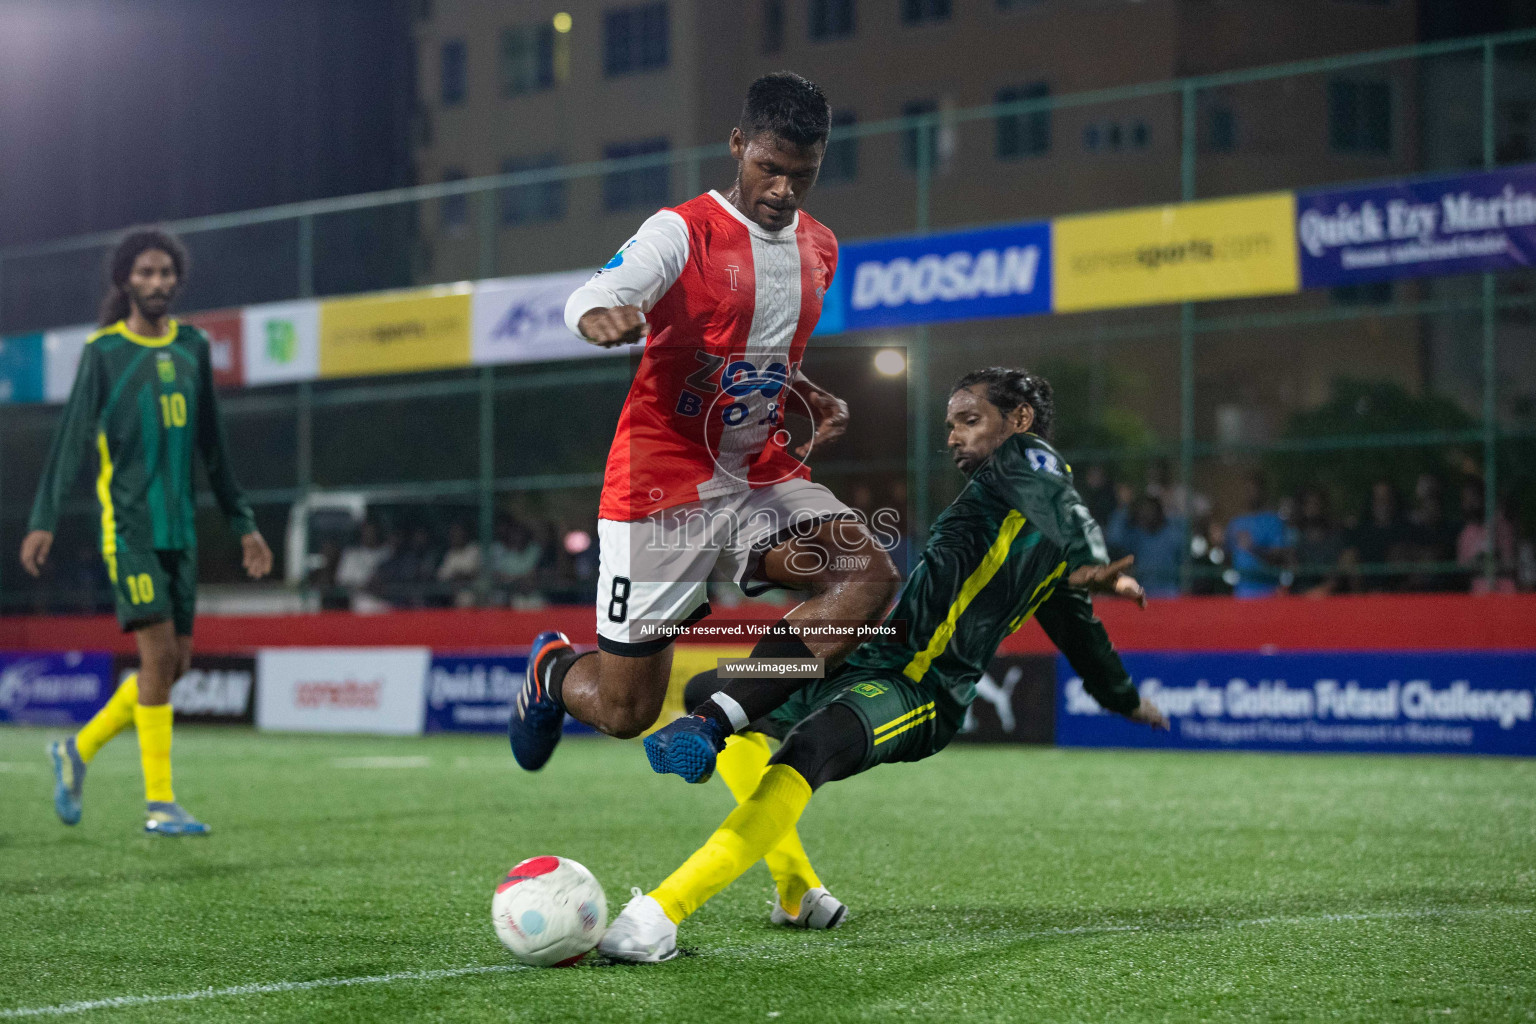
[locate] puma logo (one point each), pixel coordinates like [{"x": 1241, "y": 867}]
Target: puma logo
[{"x": 1000, "y": 696}]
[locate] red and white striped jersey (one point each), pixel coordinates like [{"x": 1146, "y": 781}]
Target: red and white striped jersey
[{"x": 730, "y": 305}]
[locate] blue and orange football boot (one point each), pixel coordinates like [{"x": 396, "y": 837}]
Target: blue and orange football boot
[{"x": 537, "y": 720}]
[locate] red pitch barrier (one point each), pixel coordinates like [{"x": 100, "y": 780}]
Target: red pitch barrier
[{"x": 1418, "y": 622}]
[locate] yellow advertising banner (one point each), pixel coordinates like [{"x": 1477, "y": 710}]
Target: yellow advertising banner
[
  {"x": 397, "y": 332},
  {"x": 1215, "y": 249}
]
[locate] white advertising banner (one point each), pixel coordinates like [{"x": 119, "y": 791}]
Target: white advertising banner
[
  {"x": 282, "y": 342},
  {"x": 342, "y": 689},
  {"x": 61, "y": 358},
  {"x": 522, "y": 319}
]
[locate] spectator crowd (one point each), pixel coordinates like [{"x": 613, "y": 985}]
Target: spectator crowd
[
  {"x": 1299, "y": 544},
  {"x": 528, "y": 565}
]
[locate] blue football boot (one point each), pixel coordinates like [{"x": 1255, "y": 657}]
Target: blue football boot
[
  {"x": 686, "y": 747},
  {"x": 171, "y": 819},
  {"x": 536, "y": 723},
  {"x": 68, "y": 779}
]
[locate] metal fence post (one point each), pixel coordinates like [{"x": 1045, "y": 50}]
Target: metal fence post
[
  {"x": 306, "y": 256},
  {"x": 693, "y": 175},
  {"x": 487, "y": 489},
  {"x": 918, "y": 385},
  {"x": 1490, "y": 352},
  {"x": 1187, "y": 151},
  {"x": 485, "y": 231}
]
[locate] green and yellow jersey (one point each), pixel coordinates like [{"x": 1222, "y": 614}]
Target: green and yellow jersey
[
  {"x": 997, "y": 556},
  {"x": 143, "y": 405}
]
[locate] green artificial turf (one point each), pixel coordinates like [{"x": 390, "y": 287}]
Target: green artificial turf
[{"x": 1008, "y": 884}]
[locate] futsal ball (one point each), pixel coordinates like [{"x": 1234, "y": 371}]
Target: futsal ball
[{"x": 549, "y": 911}]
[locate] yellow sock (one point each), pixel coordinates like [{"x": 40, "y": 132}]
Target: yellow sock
[
  {"x": 154, "y": 722},
  {"x": 114, "y": 716},
  {"x": 741, "y": 765},
  {"x": 746, "y": 835}
]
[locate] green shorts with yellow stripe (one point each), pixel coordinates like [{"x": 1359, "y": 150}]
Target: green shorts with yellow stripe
[
  {"x": 151, "y": 586},
  {"x": 905, "y": 721}
]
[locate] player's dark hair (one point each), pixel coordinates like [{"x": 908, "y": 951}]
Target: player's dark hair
[
  {"x": 116, "y": 306},
  {"x": 788, "y": 106},
  {"x": 1008, "y": 389}
]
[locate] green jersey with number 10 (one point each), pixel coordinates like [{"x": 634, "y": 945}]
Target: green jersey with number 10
[{"x": 143, "y": 405}]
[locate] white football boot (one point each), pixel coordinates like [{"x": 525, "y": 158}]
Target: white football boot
[
  {"x": 819, "y": 910},
  {"x": 642, "y": 933}
]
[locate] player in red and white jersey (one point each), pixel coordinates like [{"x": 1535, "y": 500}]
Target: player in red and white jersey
[{"x": 701, "y": 485}]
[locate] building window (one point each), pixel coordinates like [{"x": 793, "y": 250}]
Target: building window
[
  {"x": 1360, "y": 116},
  {"x": 841, "y": 162},
  {"x": 1021, "y": 135},
  {"x": 1114, "y": 136},
  {"x": 831, "y": 19},
  {"x": 455, "y": 73},
  {"x": 645, "y": 187},
  {"x": 635, "y": 39},
  {"x": 530, "y": 204},
  {"x": 773, "y": 26},
  {"x": 527, "y": 59},
  {"x": 917, "y": 12},
  {"x": 453, "y": 211},
  {"x": 1221, "y": 129},
  {"x": 911, "y": 138}
]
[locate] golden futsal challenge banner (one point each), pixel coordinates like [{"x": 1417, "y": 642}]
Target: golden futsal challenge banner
[
  {"x": 397, "y": 332},
  {"x": 1215, "y": 249}
]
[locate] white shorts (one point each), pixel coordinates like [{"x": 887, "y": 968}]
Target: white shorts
[{"x": 657, "y": 570}]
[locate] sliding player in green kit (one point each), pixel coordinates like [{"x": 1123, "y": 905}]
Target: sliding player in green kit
[
  {"x": 143, "y": 399},
  {"x": 1017, "y": 543}
]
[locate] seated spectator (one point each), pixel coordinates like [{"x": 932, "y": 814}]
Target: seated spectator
[
  {"x": 321, "y": 580},
  {"x": 1260, "y": 544},
  {"x": 404, "y": 577},
  {"x": 1473, "y": 550},
  {"x": 460, "y": 567},
  {"x": 1098, "y": 492},
  {"x": 515, "y": 555},
  {"x": 1377, "y": 539},
  {"x": 1319, "y": 544},
  {"x": 1157, "y": 542},
  {"x": 1430, "y": 538},
  {"x": 359, "y": 561}
]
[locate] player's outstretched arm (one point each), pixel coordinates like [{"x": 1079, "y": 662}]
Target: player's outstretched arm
[
  {"x": 1067, "y": 618},
  {"x": 1110, "y": 579}
]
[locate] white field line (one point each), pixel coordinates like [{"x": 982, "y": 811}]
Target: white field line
[
  {"x": 409, "y": 761},
  {"x": 267, "y": 988},
  {"x": 18, "y": 766}
]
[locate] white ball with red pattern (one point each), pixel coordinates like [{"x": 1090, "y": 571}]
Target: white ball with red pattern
[{"x": 549, "y": 911}]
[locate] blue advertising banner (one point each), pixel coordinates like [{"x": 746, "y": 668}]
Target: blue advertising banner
[
  {"x": 21, "y": 369},
  {"x": 994, "y": 272},
  {"x": 1468, "y": 223},
  {"x": 53, "y": 688},
  {"x": 1366, "y": 702},
  {"x": 475, "y": 693}
]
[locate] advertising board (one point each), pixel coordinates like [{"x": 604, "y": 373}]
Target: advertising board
[
  {"x": 1461, "y": 224},
  {"x": 342, "y": 689},
  {"x": 1443, "y": 703},
  {"x": 1214, "y": 249},
  {"x": 58, "y": 688},
  {"x": 395, "y": 332}
]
